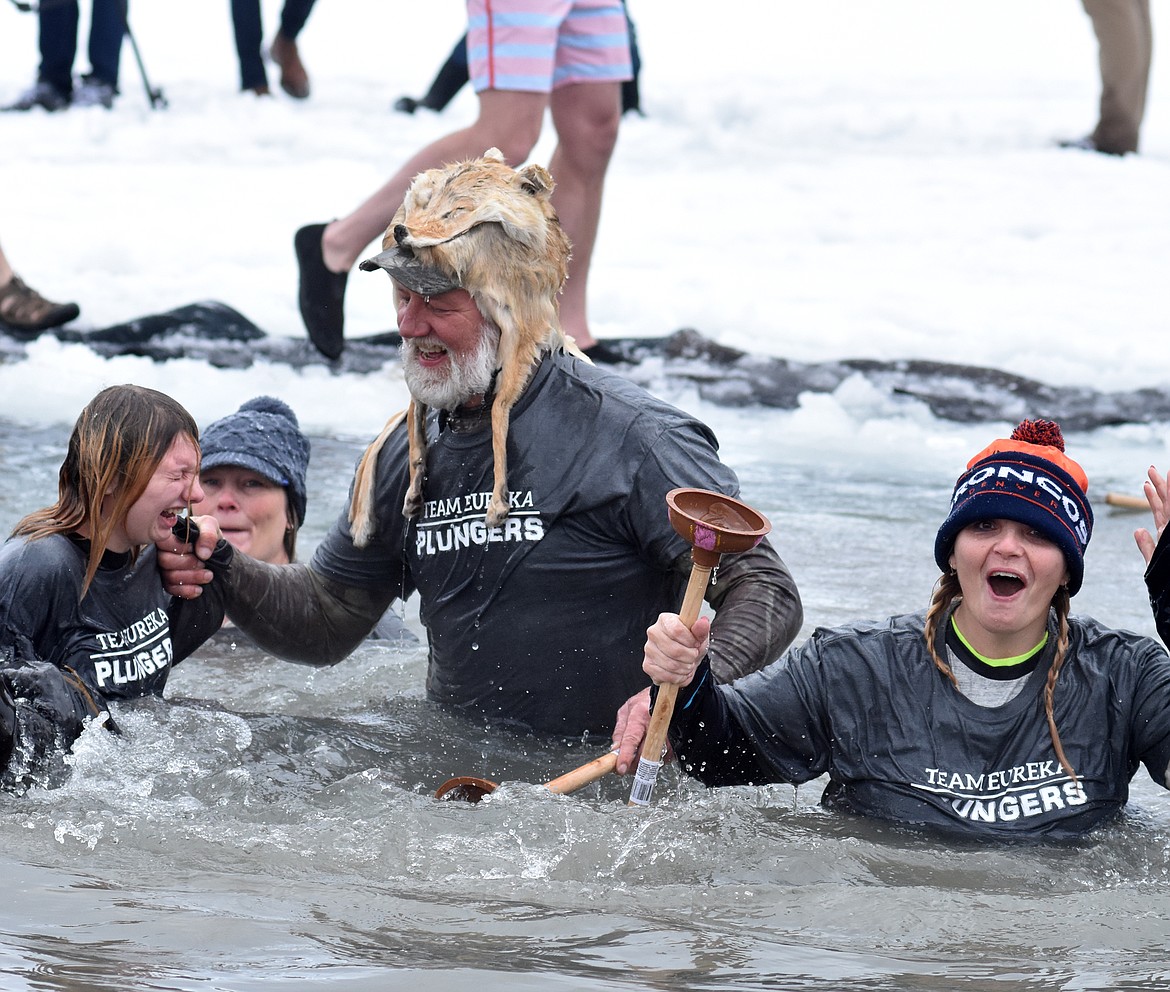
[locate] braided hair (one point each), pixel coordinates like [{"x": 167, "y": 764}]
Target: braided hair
[
  {"x": 947, "y": 592},
  {"x": 1029, "y": 478}
]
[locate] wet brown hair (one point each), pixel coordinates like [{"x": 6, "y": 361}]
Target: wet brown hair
[
  {"x": 947, "y": 591},
  {"x": 118, "y": 442}
]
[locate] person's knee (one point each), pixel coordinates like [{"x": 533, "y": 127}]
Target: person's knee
[
  {"x": 515, "y": 139},
  {"x": 588, "y": 145},
  {"x": 515, "y": 146},
  {"x": 510, "y": 122},
  {"x": 604, "y": 134},
  {"x": 587, "y": 122}
]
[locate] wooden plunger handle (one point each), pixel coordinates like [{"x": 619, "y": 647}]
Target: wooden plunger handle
[
  {"x": 655, "y": 741},
  {"x": 580, "y": 777},
  {"x": 1127, "y": 502}
]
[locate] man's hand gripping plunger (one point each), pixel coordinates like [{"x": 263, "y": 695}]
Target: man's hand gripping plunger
[
  {"x": 181, "y": 563},
  {"x": 673, "y": 651}
]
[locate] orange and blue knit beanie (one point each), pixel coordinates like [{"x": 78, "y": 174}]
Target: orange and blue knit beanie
[{"x": 1027, "y": 478}]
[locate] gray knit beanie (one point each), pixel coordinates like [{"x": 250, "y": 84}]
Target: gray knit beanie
[{"x": 264, "y": 436}]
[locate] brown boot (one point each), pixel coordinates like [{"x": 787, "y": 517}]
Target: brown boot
[
  {"x": 25, "y": 313},
  {"x": 294, "y": 80}
]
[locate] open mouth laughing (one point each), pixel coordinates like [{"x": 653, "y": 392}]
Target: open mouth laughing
[
  {"x": 427, "y": 352},
  {"x": 1005, "y": 584}
]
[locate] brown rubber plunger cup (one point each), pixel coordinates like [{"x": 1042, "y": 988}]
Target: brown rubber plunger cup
[
  {"x": 467, "y": 788},
  {"x": 714, "y": 525}
]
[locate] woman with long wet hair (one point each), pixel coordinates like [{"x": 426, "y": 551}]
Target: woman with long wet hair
[
  {"x": 993, "y": 713},
  {"x": 84, "y": 619}
]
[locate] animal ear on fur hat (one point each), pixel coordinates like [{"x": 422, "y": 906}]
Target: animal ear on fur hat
[{"x": 536, "y": 180}]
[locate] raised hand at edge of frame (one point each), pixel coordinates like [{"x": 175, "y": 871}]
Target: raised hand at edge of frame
[{"x": 1158, "y": 496}]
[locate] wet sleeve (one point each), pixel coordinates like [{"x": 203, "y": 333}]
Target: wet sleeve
[
  {"x": 758, "y": 612},
  {"x": 192, "y": 622},
  {"x": 1158, "y": 585},
  {"x": 769, "y": 726},
  {"x": 295, "y": 613},
  {"x": 709, "y": 745},
  {"x": 40, "y": 585},
  {"x": 681, "y": 456},
  {"x": 1150, "y": 722}
]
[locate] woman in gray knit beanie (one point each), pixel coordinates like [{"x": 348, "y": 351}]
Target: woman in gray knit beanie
[{"x": 253, "y": 476}]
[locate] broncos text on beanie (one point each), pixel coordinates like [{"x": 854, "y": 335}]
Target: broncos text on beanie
[{"x": 1027, "y": 478}]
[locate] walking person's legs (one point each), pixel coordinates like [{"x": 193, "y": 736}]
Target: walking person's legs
[
  {"x": 586, "y": 117},
  {"x": 107, "y": 28},
  {"x": 1125, "y": 51},
  {"x": 293, "y": 15},
  {"x": 249, "y": 34},
  {"x": 294, "y": 78},
  {"x": 57, "y": 24},
  {"x": 57, "y": 41}
]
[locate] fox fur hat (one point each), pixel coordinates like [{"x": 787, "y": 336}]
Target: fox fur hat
[{"x": 485, "y": 227}]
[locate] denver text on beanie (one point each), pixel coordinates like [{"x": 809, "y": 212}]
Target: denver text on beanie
[
  {"x": 264, "y": 436},
  {"x": 1027, "y": 478}
]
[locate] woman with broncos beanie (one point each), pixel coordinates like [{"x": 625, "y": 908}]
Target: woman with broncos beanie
[{"x": 994, "y": 713}]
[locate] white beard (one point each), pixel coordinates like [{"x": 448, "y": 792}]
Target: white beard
[{"x": 448, "y": 388}]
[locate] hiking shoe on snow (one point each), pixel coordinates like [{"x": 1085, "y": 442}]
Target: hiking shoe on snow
[
  {"x": 24, "y": 313},
  {"x": 44, "y": 95},
  {"x": 321, "y": 294},
  {"x": 294, "y": 79},
  {"x": 94, "y": 92}
]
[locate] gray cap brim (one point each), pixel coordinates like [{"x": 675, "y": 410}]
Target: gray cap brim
[{"x": 404, "y": 267}]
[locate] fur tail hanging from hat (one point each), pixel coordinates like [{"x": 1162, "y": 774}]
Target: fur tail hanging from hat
[{"x": 361, "y": 504}]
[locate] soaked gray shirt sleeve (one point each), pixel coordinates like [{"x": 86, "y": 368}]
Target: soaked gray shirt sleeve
[
  {"x": 758, "y": 612},
  {"x": 293, "y": 612}
]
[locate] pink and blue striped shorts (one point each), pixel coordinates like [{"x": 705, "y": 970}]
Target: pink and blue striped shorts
[{"x": 538, "y": 45}]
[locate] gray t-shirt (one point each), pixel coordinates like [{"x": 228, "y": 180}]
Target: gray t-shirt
[
  {"x": 117, "y": 639},
  {"x": 542, "y": 620},
  {"x": 866, "y": 705}
]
